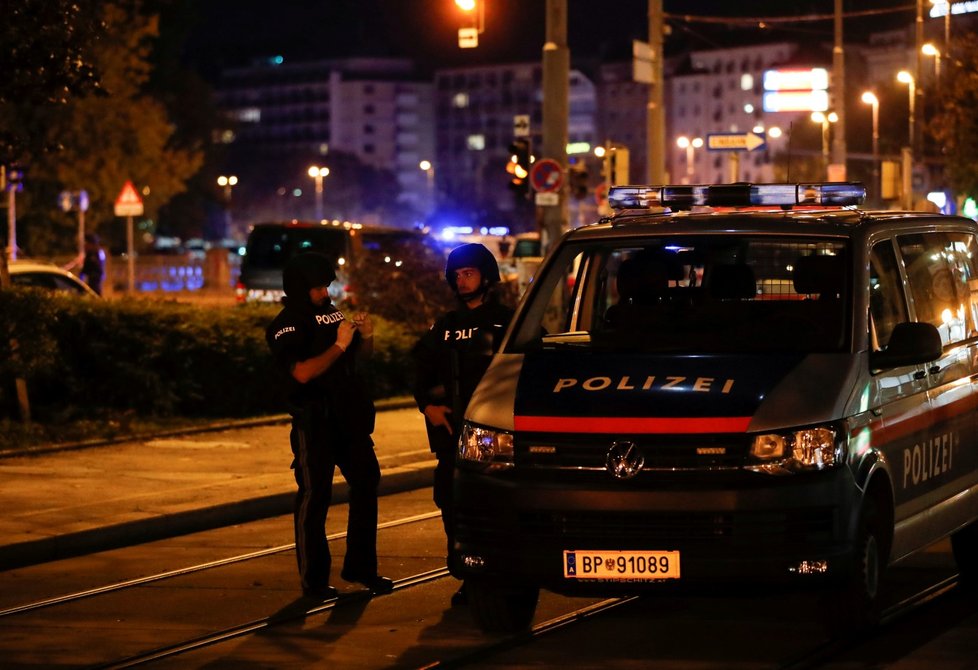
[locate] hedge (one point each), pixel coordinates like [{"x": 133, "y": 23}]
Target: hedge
[{"x": 85, "y": 357}]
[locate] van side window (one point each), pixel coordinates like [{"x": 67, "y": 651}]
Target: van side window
[
  {"x": 940, "y": 275},
  {"x": 963, "y": 260},
  {"x": 886, "y": 302}
]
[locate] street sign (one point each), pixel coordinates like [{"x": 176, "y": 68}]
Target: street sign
[
  {"x": 78, "y": 200},
  {"x": 642, "y": 59},
  {"x": 547, "y": 176},
  {"x": 468, "y": 38},
  {"x": 128, "y": 203},
  {"x": 749, "y": 141},
  {"x": 601, "y": 193},
  {"x": 521, "y": 125}
]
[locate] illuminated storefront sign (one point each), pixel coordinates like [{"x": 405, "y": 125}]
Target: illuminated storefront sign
[{"x": 796, "y": 90}]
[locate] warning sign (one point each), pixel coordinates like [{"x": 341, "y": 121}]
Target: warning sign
[{"x": 128, "y": 203}]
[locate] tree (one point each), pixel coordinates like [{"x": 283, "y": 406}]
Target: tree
[
  {"x": 955, "y": 125},
  {"x": 49, "y": 47},
  {"x": 121, "y": 134}
]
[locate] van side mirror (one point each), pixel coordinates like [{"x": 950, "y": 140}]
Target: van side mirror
[{"x": 911, "y": 343}]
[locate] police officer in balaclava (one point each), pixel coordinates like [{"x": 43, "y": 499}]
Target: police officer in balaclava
[{"x": 332, "y": 419}]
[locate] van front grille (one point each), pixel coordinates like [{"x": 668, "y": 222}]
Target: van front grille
[{"x": 661, "y": 452}]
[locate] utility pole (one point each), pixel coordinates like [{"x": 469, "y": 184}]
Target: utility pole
[
  {"x": 655, "y": 112},
  {"x": 556, "y": 109},
  {"x": 918, "y": 68},
  {"x": 839, "y": 90}
]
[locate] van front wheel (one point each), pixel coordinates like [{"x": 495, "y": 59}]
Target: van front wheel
[
  {"x": 856, "y": 602},
  {"x": 964, "y": 544},
  {"x": 501, "y": 609}
]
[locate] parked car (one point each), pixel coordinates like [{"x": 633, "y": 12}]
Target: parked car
[{"x": 47, "y": 276}]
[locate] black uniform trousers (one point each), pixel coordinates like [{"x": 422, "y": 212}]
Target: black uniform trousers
[
  {"x": 319, "y": 447},
  {"x": 444, "y": 447}
]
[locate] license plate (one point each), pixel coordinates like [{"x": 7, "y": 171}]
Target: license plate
[{"x": 621, "y": 565}]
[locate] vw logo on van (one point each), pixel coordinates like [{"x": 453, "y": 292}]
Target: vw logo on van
[{"x": 624, "y": 460}]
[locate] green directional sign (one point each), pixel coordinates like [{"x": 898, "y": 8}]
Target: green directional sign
[{"x": 749, "y": 141}]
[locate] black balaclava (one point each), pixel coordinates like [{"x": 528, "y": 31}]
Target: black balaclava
[{"x": 303, "y": 272}]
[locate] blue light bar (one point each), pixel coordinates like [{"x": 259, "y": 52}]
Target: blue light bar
[{"x": 827, "y": 194}]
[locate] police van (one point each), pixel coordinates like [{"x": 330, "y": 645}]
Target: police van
[
  {"x": 727, "y": 385},
  {"x": 271, "y": 245}
]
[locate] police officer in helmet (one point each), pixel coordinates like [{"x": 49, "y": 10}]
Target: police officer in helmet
[
  {"x": 332, "y": 419},
  {"x": 451, "y": 358}
]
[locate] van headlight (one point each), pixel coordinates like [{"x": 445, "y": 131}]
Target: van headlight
[
  {"x": 794, "y": 451},
  {"x": 485, "y": 448}
]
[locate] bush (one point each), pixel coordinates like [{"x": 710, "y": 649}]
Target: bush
[{"x": 87, "y": 358}]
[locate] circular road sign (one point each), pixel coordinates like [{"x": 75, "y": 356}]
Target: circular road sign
[{"x": 547, "y": 175}]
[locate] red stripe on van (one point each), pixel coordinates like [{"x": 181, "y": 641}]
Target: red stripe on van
[{"x": 626, "y": 424}]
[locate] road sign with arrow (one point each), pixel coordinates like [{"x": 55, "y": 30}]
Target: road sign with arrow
[{"x": 749, "y": 141}]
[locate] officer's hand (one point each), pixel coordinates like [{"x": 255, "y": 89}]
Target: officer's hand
[
  {"x": 437, "y": 415},
  {"x": 344, "y": 334},
  {"x": 364, "y": 324}
]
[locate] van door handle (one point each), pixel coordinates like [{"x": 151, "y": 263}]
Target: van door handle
[
  {"x": 919, "y": 374},
  {"x": 934, "y": 370}
]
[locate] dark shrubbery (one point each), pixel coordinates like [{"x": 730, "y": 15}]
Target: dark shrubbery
[{"x": 86, "y": 358}]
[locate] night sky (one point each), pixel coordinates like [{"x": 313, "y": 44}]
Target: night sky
[{"x": 233, "y": 32}]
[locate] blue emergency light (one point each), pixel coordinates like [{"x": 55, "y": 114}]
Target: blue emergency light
[{"x": 827, "y": 194}]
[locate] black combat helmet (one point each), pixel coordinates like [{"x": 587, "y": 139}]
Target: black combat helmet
[{"x": 472, "y": 256}]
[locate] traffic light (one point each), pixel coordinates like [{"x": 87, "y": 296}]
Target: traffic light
[
  {"x": 617, "y": 166},
  {"x": 14, "y": 178},
  {"x": 578, "y": 178},
  {"x": 518, "y": 167}
]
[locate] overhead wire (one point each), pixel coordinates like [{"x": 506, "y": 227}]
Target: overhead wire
[{"x": 763, "y": 21}]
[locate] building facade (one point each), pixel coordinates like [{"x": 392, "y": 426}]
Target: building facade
[
  {"x": 371, "y": 108},
  {"x": 476, "y": 110}
]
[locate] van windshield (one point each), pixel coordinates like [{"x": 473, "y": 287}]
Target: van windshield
[
  {"x": 270, "y": 247},
  {"x": 693, "y": 294}
]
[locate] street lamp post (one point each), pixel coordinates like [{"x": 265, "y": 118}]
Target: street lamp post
[
  {"x": 318, "y": 173},
  {"x": 825, "y": 120},
  {"x": 905, "y": 77},
  {"x": 227, "y": 182},
  {"x": 930, "y": 50},
  {"x": 690, "y": 145},
  {"x": 870, "y": 99},
  {"x": 429, "y": 171}
]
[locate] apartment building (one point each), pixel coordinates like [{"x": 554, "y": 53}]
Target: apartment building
[{"x": 372, "y": 108}]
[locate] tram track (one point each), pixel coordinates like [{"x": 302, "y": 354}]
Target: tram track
[
  {"x": 811, "y": 658},
  {"x": 189, "y": 570},
  {"x": 263, "y": 623},
  {"x": 891, "y": 615},
  {"x": 191, "y": 644}
]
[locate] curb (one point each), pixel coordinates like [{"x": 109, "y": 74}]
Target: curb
[
  {"x": 24, "y": 554},
  {"x": 381, "y": 405}
]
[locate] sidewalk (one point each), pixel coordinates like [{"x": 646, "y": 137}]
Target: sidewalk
[{"x": 67, "y": 503}]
